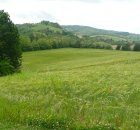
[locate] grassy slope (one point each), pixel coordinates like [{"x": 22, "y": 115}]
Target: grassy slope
[
  {"x": 73, "y": 89},
  {"x": 90, "y": 31}
]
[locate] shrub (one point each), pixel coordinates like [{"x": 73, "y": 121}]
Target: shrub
[
  {"x": 136, "y": 47},
  {"x": 5, "y": 67}
]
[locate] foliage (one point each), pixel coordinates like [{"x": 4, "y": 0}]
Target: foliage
[
  {"x": 123, "y": 40},
  {"x": 26, "y": 43},
  {"x": 5, "y": 67},
  {"x": 136, "y": 47},
  {"x": 9, "y": 45},
  {"x": 118, "y": 47},
  {"x": 48, "y": 35},
  {"x": 126, "y": 47},
  {"x": 90, "y": 31}
]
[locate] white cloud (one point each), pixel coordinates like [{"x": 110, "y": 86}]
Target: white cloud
[{"x": 121, "y": 15}]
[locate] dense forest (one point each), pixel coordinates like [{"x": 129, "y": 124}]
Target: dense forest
[{"x": 48, "y": 35}]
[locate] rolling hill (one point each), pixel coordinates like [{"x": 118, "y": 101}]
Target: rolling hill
[
  {"x": 90, "y": 31},
  {"x": 44, "y": 28},
  {"x": 49, "y": 35}
]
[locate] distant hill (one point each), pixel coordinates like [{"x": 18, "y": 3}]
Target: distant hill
[
  {"x": 49, "y": 35},
  {"x": 45, "y": 35},
  {"x": 44, "y": 28},
  {"x": 92, "y": 32}
]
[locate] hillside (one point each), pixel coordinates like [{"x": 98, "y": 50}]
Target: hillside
[
  {"x": 90, "y": 31},
  {"x": 44, "y": 28},
  {"x": 44, "y": 35},
  {"x": 49, "y": 35}
]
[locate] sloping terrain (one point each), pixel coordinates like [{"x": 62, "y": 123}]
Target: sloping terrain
[{"x": 90, "y": 31}]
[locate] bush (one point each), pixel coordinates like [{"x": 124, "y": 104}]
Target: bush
[
  {"x": 5, "y": 67},
  {"x": 118, "y": 47},
  {"x": 126, "y": 47},
  {"x": 44, "y": 44},
  {"x": 137, "y": 47}
]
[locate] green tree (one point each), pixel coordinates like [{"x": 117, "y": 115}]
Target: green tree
[
  {"x": 118, "y": 47},
  {"x": 137, "y": 47},
  {"x": 126, "y": 47},
  {"x": 26, "y": 43},
  {"x": 44, "y": 44},
  {"x": 10, "y": 48}
]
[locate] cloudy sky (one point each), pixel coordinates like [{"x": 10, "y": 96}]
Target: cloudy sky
[{"x": 120, "y": 15}]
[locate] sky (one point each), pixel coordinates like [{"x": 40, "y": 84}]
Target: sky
[{"x": 119, "y": 15}]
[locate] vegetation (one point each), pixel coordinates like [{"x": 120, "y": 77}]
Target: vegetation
[
  {"x": 48, "y": 35},
  {"x": 68, "y": 89},
  {"x": 137, "y": 47},
  {"x": 10, "y": 51},
  {"x": 90, "y": 31},
  {"x": 123, "y": 40},
  {"x": 75, "y": 89}
]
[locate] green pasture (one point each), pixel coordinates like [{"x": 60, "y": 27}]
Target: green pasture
[{"x": 73, "y": 89}]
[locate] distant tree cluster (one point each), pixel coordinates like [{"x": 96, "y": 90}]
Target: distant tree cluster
[
  {"x": 48, "y": 35},
  {"x": 10, "y": 49},
  {"x": 65, "y": 41},
  {"x": 137, "y": 46}
]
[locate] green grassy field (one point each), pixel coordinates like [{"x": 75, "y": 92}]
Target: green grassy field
[{"x": 73, "y": 89}]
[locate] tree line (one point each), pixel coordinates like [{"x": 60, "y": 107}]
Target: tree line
[
  {"x": 72, "y": 41},
  {"x": 59, "y": 41}
]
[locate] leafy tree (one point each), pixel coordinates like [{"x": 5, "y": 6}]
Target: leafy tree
[
  {"x": 26, "y": 43},
  {"x": 44, "y": 44},
  {"x": 10, "y": 49},
  {"x": 137, "y": 47},
  {"x": 118, "y": 47},
  {"x": 126, "y": 47}
]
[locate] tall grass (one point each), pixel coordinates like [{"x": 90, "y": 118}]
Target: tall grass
[{"x": 73, "y": 89}]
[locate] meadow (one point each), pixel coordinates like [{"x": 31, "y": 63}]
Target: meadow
[{"x": 73, "y": 89}]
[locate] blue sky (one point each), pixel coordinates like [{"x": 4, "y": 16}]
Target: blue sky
[{"x": 119, "y": 15}]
